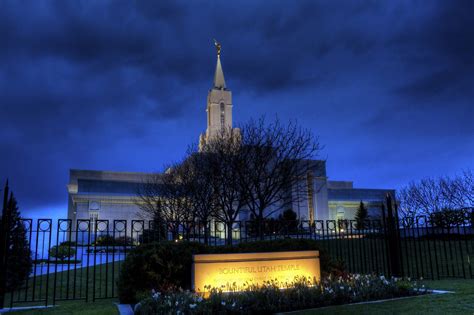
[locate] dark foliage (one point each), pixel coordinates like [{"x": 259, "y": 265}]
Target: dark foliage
[
  {"x": 161, "y": 266},
  {"x": 286, "y": 224},
  {"x": 361, "y": 215},
  {"x": 166, "y": 266},
  {"x": 289, "y": 218},
  {"x": 109, "y": 240},
  {"x": 68, "y": 243},
  {"x": 156, "y": 232},
  {"x": 447, "y": 218},
  {"x": 19, "y": 262},
  {"x": 269, "y": 226},
  {"x": 62, "y": 252}
]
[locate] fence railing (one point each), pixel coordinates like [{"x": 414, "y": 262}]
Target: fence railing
[{"x": 81, "y": 260}]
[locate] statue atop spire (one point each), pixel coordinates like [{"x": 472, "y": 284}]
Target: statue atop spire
[{"x": 218, "y": 47}]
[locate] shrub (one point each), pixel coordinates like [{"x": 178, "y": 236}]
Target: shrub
[
  {"x": 269, "y": 298},
  {"x": 109, "y": 240},
  {"x": 68, "y": 243},
  {"x": 447, "y": 218},
  {"x": 166, "y": 266},
  {"x": 62, "y": 252},
  {"x": 289, "y": 220},
  {"x": 286, "y": 223},
  {"x": 153, "y": 235}
]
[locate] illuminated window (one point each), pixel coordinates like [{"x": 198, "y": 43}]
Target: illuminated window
[
  {"x": 309, "y": 182},
  {"x": 340, "y": 213},
  {"x": 340, "y": 218},
  {"x": 222, "y": 115},
  {"x": 93, "y": 216}
]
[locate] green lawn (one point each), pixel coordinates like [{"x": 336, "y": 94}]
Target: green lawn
[
  {"x": 460, "y": 302},
  {"x": 72, "y": 285},
  {"x": 421, "y": 258},
  {"x": 99, "y": 307}
]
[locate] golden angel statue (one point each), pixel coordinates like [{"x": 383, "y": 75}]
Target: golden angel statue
[{"x": 218, "y": 47}]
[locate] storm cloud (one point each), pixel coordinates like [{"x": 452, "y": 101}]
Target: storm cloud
[{"x": 121, "y": 85}]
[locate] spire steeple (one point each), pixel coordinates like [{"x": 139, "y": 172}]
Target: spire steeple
[
  {"x": 219, "y": 82},
  {"x": 219, "y": 104}
]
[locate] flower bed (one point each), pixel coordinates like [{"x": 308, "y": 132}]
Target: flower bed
[{"x": 275, "y": 297}]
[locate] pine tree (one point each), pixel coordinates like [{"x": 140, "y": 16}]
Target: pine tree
[
  {"x": 361, "y": 215},
  {"x": 19, "y": 261},
  {"x": 289, "y": 220}
]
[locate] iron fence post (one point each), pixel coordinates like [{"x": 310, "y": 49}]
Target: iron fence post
[
  {"x": 4, "y": 247},
  {"x": 393, "y": 239}
]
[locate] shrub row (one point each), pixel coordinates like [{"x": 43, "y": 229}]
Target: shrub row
[{"x": 166, "y": 266}]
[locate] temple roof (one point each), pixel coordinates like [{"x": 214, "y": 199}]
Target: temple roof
[
  {"x": 359, "y": 194},
  {"x": 108, "y": 187}
]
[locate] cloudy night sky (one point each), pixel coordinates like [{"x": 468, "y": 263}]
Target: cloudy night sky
[{"x": 388, "y": 86}]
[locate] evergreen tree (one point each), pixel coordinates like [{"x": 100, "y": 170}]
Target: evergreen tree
[
  {"x": 361, "y": 215},
  {"x": 289, "y": 220},
  {"x": 19, "y": 262}
]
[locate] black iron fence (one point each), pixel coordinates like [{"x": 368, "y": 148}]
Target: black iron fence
[{"x": 81, "y": 260}]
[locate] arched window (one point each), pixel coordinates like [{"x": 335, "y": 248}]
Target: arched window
[{"x": 222, "y": 115}]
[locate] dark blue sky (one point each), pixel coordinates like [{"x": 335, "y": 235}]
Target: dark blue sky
[{"x": 388, "y": 86}]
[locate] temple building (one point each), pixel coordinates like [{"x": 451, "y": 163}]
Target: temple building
[{"x": 106, "y": 195}]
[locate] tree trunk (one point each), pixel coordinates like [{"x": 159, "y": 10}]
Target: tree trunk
[
  {"x": 206, "y": 233},
  {"x": 260, "y": 227},
  {"x": 229, "y": 233}
]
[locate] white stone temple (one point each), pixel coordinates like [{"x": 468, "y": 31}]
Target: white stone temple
[{"x": 107, "y": 195}]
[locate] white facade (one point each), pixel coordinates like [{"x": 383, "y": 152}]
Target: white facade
[{"x": 104, "y": 195}]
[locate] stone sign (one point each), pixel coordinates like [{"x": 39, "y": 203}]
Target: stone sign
[{"x": 235, "y": 271}]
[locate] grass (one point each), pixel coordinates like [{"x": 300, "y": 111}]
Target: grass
[
  {"x": 430, "y": 259},
  {"x": 70, "y": 284},
  {"x": 100, "y": 307},
  {"x": 460, "y": 302}
]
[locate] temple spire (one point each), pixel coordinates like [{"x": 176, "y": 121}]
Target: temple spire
[
  {"x": 219, "y": 105},
  {"x": 219, "y": 82}
]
